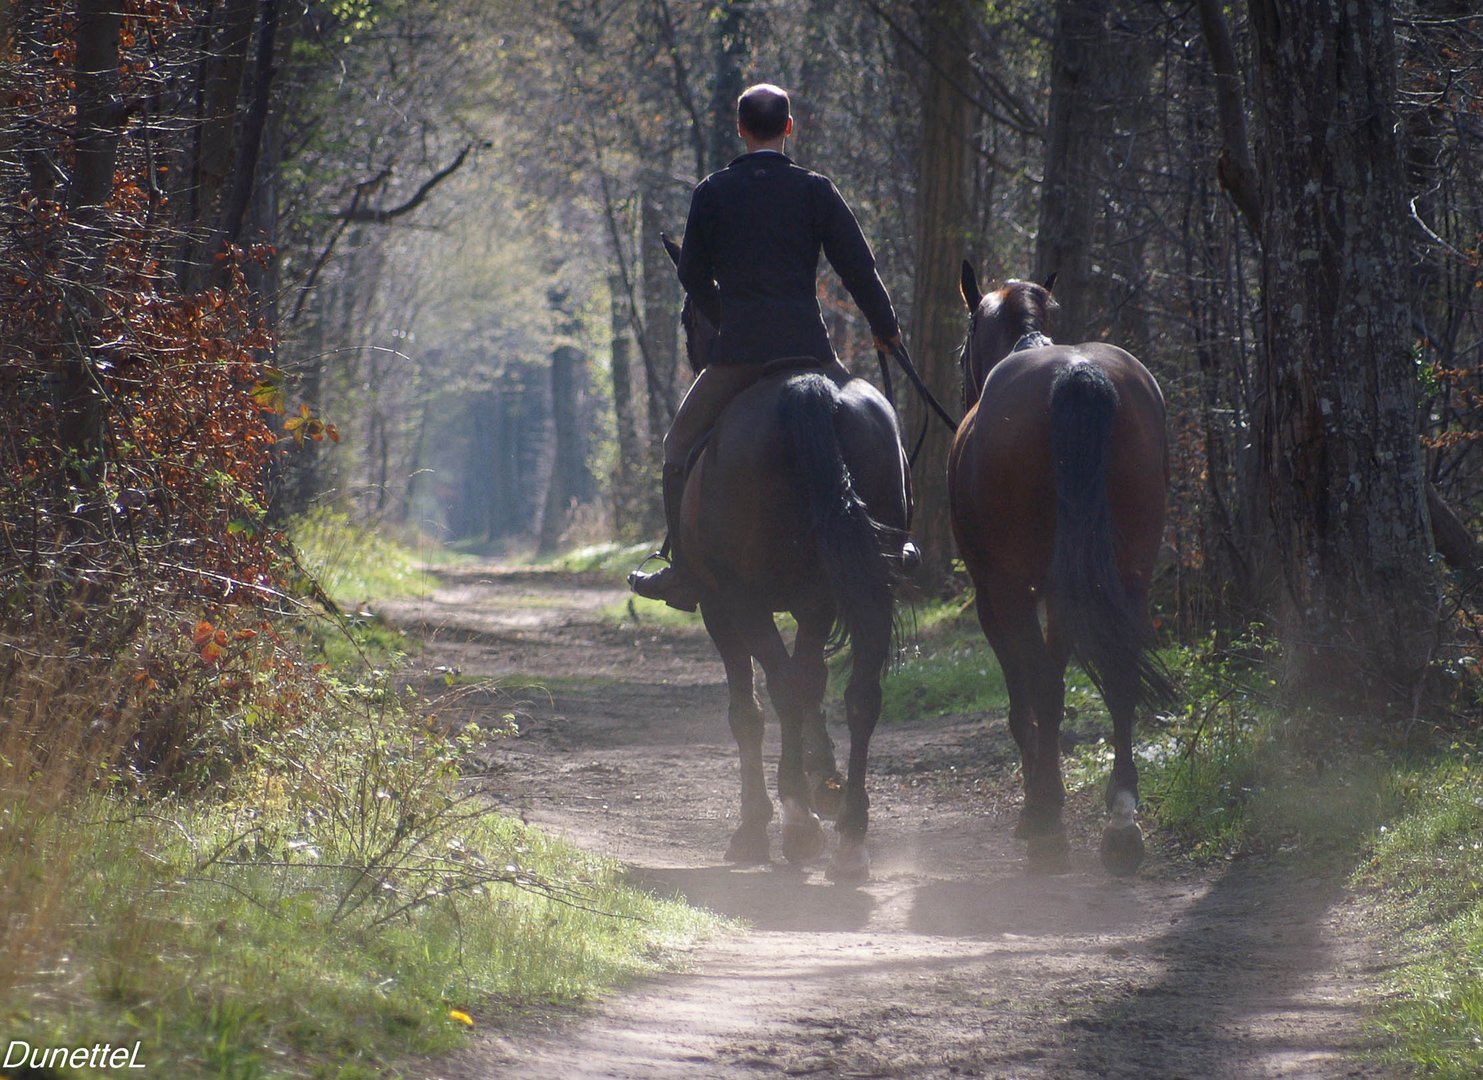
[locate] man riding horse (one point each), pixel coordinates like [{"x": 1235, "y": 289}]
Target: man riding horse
[{"x": 749, "y": 262}]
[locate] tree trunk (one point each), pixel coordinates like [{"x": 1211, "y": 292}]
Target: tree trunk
[
  {"x": 731, "y": 49},
  {"x": 96, "y": 135},
  {"x": 661, "y": 304},
  {"x": 1338, "y": 426},
  {"x": 629, "y": 494},
  {"x": 1069, "y": 198},
  {"x": 223, "y": 63},
  {"x": 942, "y": 239},
  {"x": 569, "y": 465}
]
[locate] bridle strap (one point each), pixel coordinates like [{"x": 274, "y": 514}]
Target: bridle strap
[{"x": 1033, "y": 340}]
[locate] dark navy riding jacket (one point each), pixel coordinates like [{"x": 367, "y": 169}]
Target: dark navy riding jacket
[{"x": 751, "y": 256}]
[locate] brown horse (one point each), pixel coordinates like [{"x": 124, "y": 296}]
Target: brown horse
[
  {"x": 798, "y": 502},
  {"x": 1057, "y": 479}
]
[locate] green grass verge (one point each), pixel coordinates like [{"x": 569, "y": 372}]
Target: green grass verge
[
  {"x": 637, "y": 611},
  {"x": 353, "y": 563},
  {"x": 945, "y": 666},
  {"x": 612, "y": 558},
  {"x": 344, "y": 909},
  {"x": 330, "y": 905},
  {"x": 1427, "y": 874}
]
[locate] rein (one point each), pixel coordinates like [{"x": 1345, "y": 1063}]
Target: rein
[{"x": 903, "y": 358}]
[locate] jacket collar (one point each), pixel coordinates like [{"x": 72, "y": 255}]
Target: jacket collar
[{"x": 763, "y": 155}]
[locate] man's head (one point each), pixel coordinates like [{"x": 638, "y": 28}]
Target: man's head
[{"x": 762, "y": 114}]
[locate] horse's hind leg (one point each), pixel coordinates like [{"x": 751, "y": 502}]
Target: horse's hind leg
[
  {"x": 811, "y": 679},
  {"x": 1016, "y": 682},
  {"x": 870, "y": 647},
  {"x": 803, "y": 836},
  {"x": 1034, "y": 678},
  {"x": 1039, "y": 674},
  {"x": 1122, "y": 840},
  {"x": 749, "y": 841}
]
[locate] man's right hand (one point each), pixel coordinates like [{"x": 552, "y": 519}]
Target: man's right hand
[{"x": 890, "y": 344}]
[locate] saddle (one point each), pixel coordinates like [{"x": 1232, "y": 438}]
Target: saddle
[{"x": 783, "y": 365}]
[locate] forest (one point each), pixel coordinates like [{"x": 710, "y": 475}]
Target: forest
[{"x": 387, "y": 276}]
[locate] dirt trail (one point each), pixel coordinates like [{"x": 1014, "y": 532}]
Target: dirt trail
[{"x": 952, "y": 961}]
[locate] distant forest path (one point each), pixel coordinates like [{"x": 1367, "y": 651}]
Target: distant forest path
[{"x": 951, "y": 961}]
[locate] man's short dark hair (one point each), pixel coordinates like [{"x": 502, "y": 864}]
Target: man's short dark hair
[{"x": 763, "y": 111}]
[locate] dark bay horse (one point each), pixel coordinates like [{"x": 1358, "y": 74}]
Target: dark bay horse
[
  {"x": 798, "y": 502},
  {"x": 1057, "y": 480}
]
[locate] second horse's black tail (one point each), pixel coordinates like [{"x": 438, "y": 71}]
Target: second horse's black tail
[
  {"x": 1109, "y": 633},
  {"x": 851, "y": 544}
]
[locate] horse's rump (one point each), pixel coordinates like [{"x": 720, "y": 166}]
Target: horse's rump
[{"x": 800, "y": 486}]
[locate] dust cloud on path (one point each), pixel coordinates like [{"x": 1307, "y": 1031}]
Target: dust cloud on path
[{"x": 951, "y": 961}]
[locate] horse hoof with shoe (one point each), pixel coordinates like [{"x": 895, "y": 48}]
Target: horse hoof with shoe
[
  {"x": 1048, "y": 853},
  {"x": 749, "y": 846},
  {"x": 851, "y": 862}
]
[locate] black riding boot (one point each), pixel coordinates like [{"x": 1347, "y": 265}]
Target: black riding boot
[{"x": 671, "y": 584}]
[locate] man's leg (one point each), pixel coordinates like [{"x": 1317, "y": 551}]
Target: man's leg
[{"x": 708, "y": 395}]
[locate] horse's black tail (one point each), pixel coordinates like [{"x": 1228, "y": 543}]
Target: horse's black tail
[
  {"x": 851, "y": 544},
  {"x": 1108, "y": 631}
]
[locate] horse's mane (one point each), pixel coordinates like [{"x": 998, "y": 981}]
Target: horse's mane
[
  {"x": 1026, "y": 306},
  {"x": 1019, "y": 308}
]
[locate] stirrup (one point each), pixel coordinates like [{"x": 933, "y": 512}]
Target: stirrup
[
  {"x": 660, "y": 555},
  {"x": 675, "y": 591}
]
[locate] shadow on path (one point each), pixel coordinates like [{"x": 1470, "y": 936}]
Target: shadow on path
[{"x": 1257, "y": 952}]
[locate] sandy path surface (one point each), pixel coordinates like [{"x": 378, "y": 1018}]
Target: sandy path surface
[{"x": 952, "y": 961}]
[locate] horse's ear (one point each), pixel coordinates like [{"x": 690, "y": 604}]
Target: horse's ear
[
  {"x": 1050, "y": 282},
  {"x": 968, "y": 286},
  {"x": 671, "y": 247}
]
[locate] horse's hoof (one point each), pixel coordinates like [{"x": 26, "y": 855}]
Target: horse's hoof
[
  {"x": 850, "y": 865},
  {"x": 1122, "y": 849},
  {"x": 1049, "y": 853},
  {"x": 803, "y": 843},
  {"x": 1032, "y": 824},
  {"x": 828, "y": 795},
  {"x": 748, "y": 846}
]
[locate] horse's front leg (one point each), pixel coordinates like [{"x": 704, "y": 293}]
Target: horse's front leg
[{"x": 749, "y": 842}]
